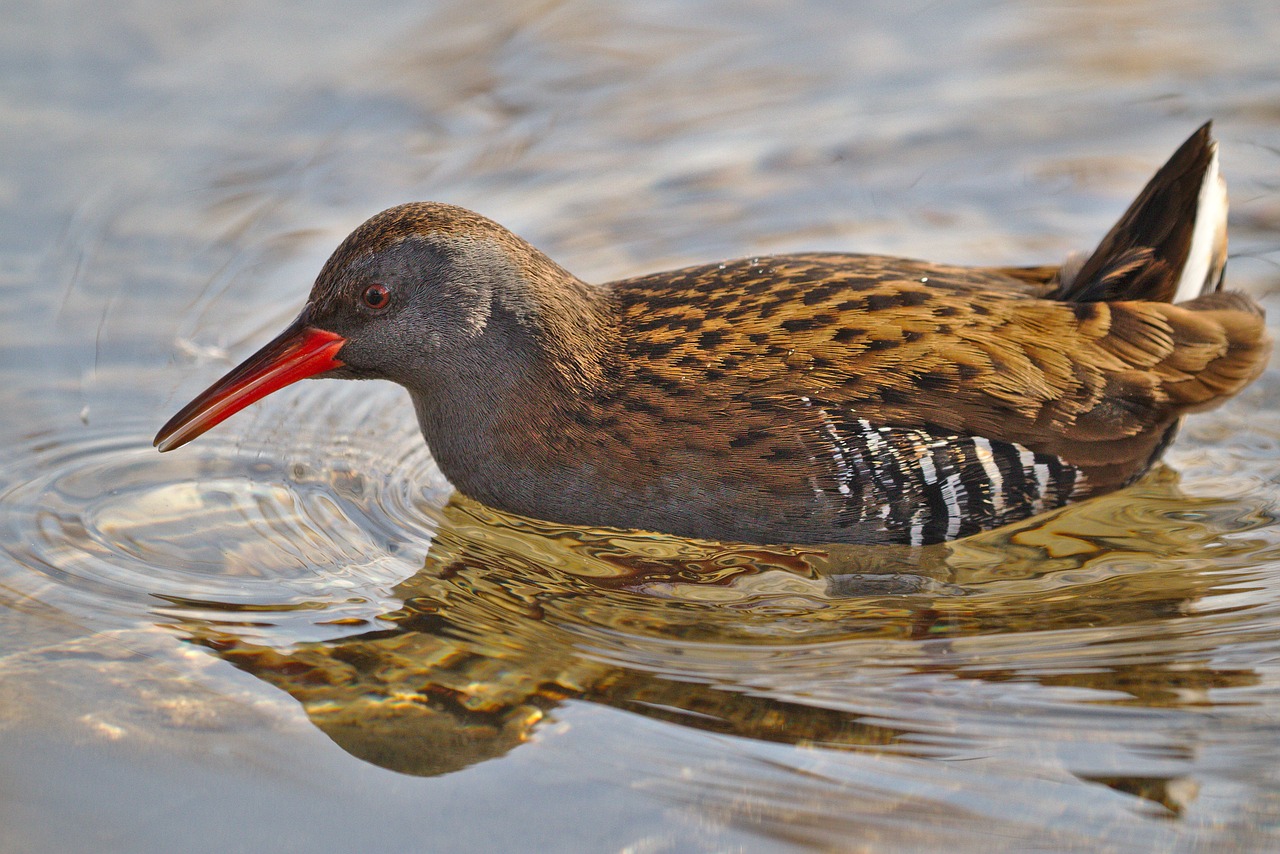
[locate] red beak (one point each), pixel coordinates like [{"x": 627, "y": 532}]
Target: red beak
[{"x": 299, "y": 352}]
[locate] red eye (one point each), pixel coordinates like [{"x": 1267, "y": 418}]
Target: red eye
[{"x": 377, "y": 297}]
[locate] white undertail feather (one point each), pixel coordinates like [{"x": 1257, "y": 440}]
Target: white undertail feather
[{"x": 1208, "y": 252}]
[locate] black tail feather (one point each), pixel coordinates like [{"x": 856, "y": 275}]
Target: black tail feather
[{"x": 1143, "y": 256}]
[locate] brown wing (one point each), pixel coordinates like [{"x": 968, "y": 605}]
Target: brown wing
[
  {"x": 903, "y": 343},
  {"x": 1039, "y": 281}
]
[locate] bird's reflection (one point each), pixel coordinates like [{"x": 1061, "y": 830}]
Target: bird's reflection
[{"x": 508, "y": 619}]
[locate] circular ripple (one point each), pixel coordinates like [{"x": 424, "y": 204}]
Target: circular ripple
[{"x": 102, "y": 526}]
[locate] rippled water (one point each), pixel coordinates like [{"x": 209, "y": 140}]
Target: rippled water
[{"x": 290, "y": 635}]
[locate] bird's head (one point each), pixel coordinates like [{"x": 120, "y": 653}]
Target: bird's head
[{"x": 420, "y": 294}]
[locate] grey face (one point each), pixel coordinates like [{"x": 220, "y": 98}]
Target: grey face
[{"x": 418, "y": 305}]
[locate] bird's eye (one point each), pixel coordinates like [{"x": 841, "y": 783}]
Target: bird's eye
[{"x": 376, "y": 297}]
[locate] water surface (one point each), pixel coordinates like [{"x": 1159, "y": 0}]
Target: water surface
[{"x": 292, "y": 636}]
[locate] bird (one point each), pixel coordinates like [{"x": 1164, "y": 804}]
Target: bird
[{"x": 809, "y": 398}]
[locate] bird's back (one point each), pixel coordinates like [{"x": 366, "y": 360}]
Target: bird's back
[{"x": 824, "y": 397}]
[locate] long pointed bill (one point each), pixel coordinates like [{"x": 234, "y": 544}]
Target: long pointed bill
[{"x": 299, "y": 352}]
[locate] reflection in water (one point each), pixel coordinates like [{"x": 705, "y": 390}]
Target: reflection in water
[
  {"x": 870, "y": 650},
  {"x": 1107, "y": 680}
]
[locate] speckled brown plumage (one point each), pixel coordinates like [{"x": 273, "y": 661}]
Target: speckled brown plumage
[{"x": 798, "y": 398}]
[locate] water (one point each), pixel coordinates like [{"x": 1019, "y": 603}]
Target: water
[{"x": 291, "y": 636}]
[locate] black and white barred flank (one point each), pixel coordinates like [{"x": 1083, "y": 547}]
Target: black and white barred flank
[{"x": 928, "y": 486}]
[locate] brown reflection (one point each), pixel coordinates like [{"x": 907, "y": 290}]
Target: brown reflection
[
  {"x": 1174, "y": 794},
  {"x": 508, "y": 619}
]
